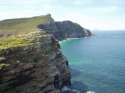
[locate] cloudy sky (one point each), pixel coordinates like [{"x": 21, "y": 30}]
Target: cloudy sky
[{"x": 92, "y": 14}]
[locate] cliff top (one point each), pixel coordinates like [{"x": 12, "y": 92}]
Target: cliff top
[
  {"x": 22, "y": 25},
  {"x": 20, "y": 40},
  {"x": 17, "y": 32},
  {"x": 13, "y": 42},
  {"x": 14, "y": 32}
]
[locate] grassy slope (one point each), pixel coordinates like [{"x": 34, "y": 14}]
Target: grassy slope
[
  {"x": 19, "y": 27},
  {"x": 22, "y": 25},
  {"x": 13, "y": 42}
]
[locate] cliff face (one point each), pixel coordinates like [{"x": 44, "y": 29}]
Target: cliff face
[
  {"x": 65, "y": 29},
  {"x": 31, "y": 60},
  {"x": 38, "y": 67}
]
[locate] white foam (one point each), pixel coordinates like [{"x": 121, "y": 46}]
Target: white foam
[
  {"x": 67, "y": 39},
  {"x": 65, "y": 88},
  {"x": 90, "y": 92}
]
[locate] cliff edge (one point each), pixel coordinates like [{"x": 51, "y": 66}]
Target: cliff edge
[
  {"x": 30, "y": 56},
  {"x": 64, "y": 29},
  {"x": 34, "y": 66}
]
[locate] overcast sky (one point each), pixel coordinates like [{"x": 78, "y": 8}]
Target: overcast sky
[{"x": 92, "y": 14}]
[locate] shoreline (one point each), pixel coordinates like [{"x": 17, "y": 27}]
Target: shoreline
[{"x": 68, "y": 39}]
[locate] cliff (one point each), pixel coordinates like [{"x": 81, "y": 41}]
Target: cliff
[
  {"x": 30, "y": 56},
  {"x": 61, "y": 30},
  {"x": 65, "y": 29},
  {"x": 34, "y": 67}
]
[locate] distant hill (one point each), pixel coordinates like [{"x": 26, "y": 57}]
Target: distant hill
[{"x": 65, "y": 29}]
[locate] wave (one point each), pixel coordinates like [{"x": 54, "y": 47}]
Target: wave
[{"x": 90, "y": 92}]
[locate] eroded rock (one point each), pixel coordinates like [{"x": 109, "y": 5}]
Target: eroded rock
[{"x": 36, "y": 68}]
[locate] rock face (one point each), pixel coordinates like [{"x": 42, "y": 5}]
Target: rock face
[
  {"x": 39, "y": 66},
  {"x": 36, "y": 68},
  {"x": 65, "y": 29}
]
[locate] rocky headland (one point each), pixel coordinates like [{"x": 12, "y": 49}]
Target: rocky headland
[
  {"x": 64, "y": 29},
  {"x": 30, "y": 56}
]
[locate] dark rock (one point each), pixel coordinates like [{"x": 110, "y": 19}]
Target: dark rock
[
  {"x": 65, "y": 29},
  {"x": 41, "y": 66},
  {"x": 32, "y": 69}
]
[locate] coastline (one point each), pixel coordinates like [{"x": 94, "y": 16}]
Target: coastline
[
  {"x": 76, "y": 82},
  {"x": 67, "y": 39}
]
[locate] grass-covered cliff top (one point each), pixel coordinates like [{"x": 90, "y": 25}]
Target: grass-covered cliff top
[
  {"x": 13, "y": 32},
  {"x": 12, "y": 28},
  {"x": 23, "y": 25},
  {"x": 13, "y": 42},
  {"x": 20, "y": 40}
]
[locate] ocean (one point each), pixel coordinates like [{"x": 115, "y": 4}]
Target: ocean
[{"x": 97, "y": 63}]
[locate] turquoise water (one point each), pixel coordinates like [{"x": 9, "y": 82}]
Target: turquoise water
[{"x": 98, "y": 62}]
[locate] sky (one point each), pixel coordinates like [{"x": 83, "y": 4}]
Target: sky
[{"x": 91, "y": 14}]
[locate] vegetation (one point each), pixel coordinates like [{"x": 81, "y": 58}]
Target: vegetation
[
  {"x": 22, "y": 25},
  {"x": 10, "y": 30},
  {"x": 3, "y": 65},
  {"x": 13, "y": 42}
]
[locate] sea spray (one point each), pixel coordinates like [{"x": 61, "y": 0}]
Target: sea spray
[{"x": 90, "y": 92}]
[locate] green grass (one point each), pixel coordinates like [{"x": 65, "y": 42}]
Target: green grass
[
  {"x": 22, "y": 25},
  {"x": 13, "y": 42},
  {"x": 3, "y": 65}
]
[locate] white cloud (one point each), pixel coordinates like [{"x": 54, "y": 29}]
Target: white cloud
[
  {"x": 93, "y": 22},
  {"x": 106, "y": 14}
]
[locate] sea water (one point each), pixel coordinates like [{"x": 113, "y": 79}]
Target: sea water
[{"x": 97, "y": 63}]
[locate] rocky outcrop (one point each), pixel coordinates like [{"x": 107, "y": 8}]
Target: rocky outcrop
[
  {"x": 65, "y": 29},
  {"x": 38, "y": 67},
  {"x": 33, "y": 63}
]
